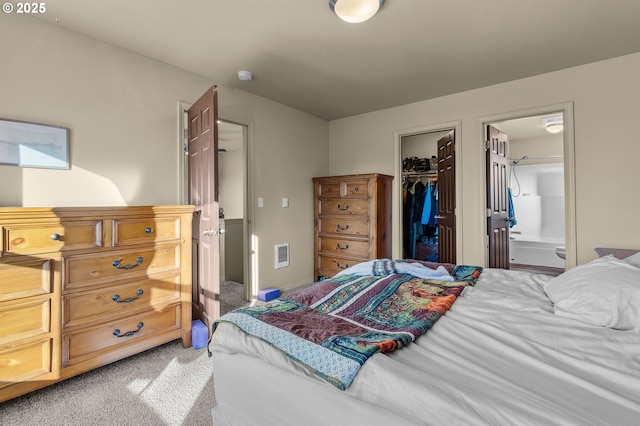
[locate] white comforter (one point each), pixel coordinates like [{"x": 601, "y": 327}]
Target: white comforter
[{"x": 499, "y": 356}]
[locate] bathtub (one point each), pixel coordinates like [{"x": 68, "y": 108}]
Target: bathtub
[{"x": 531, "y": 250}]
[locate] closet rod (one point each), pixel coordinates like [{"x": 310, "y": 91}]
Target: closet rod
[{"x": 420, "y": 174}]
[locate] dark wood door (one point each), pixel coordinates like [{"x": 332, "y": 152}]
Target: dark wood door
[
  {"x": 203, "y": 194},
  {"x": 497, "y": 198},
  {"x": 447, "y": 198}
]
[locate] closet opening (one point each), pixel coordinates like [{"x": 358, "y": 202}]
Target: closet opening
[{"x": 428, "y": 196}]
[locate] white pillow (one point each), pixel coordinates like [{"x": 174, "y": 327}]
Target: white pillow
[
  {"x": 633, "y": 259},
  {"x": 604, "y": 292}
]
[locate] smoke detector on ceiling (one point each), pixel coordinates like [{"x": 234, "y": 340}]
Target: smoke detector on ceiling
[{"x": 245, "y": 75}]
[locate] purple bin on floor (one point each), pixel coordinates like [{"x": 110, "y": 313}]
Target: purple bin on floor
[
  {"x": 199, "y": 334},
  {"x": 267, "y": 294}
]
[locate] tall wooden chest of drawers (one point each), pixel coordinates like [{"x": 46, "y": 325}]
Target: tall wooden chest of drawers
[
  {"x": 83, "y": 287},
  {"x": 352, "y": 221}
]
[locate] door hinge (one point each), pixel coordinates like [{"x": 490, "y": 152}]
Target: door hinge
[{"x": 487, "y": 145}]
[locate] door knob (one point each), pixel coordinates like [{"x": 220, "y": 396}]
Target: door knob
[{"x": 212, "y": 232}]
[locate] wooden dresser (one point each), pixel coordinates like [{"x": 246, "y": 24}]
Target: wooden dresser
[
  {"x": 83, "y": 287},
  {"x": 352, "y": 221}
]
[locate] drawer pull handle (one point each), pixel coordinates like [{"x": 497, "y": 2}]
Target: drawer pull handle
[
  {"x": 116, "y": 332},
  {"x": 345, "y": 208},
  {"x": 356, "y": 189},
  {"x": 346, "y": 265},
  {"x": 339, "y": 247},
  {"x": 148, "y": 230},
  {"x": 56, "y": 237},
  {"x": 116, "y": 297},
  {"x": 342, "y": 228},
  {"x": 116, "y": 263}
]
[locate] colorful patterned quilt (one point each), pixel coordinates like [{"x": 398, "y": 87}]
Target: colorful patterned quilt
[{"x": 334, "y": 326}]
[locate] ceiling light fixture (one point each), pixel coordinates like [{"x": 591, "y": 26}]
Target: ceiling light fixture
[
  {"x": 245, "y": 75},
  {"x": 355, "y": 11},
  {"x": 553, "y": 124}
]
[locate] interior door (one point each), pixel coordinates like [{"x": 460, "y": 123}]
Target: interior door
[
  {"x": 497, "y": 198},
  {"x": 203, "y": 194},
  {"x": 447, "y": 198}
]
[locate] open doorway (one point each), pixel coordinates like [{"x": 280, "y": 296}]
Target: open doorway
[
  {"x": 426, "y": 224},
  {"x": 532, "y": 229},
  {"x": 234, "y": 212},
  {"x": 232, "y": 178}
]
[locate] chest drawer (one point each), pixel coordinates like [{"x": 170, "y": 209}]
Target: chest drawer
[
  {"x": 344, "y": 206},
  {"x": 24, "y": 362},
  {"x": 344, "y": 247},
  {"x": 24, "y": 319},
  {"x": 344, "y": 225},
  {"x": 85, "y": 270},
  {"x": 35, "y": 238},
  {"x": 356, "y": 188},
  {"x": 328, "y": 189},
  {"x": 28, "y": 276},
  {"x": 331, "y": 265},
  {"x": 88, "y": 342},
  {"x": 145, "y": 230},
  {"x": 120, "y": 300}
]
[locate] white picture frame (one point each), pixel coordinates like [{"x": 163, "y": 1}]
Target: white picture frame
[{"x": 26, "y": 144}]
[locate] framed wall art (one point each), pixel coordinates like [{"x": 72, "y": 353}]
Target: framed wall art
[{"x": 27, "y": 144}]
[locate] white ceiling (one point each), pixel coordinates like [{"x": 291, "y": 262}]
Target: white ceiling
[{"x": 303, "y": 56}]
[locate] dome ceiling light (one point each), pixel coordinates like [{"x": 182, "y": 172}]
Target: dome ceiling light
[
  {"x": 355, "y": 11},
  {"x": 553, "y": 124}
]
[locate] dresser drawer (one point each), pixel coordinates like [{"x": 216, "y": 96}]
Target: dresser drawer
[
  {"x": 27, "y": 318},
  {"x": 328, "y": 189},
  {"x": 89, "y": 342},
  {"x": 121, "y": 300},
  {"x": 28, "y": 276},
  {"x": 344, "y": 247},
  {"x": 145, "y": 230},
  {"x": 22, "y": 363},
  {"x": 31, "y": 238},
  {"x": 331, "y": 265},
  {"x": 90, "y": 269},
  {"x": 356, "y": 188},
  {"x": 344, "y": 206},
  {"x": 344, "y": 225}
]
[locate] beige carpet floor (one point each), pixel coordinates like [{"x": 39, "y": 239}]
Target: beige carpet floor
[{"x": 166, "y": 385}]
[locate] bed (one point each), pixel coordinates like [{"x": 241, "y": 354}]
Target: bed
[{"x": 513, "y": 348}]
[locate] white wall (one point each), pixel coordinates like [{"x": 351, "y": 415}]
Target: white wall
[
  {"x": 231, "y": 183},
  {"x": 538, "y": 200},
  {"x": 606, "y": 111},
  {"x": 122, "y": 108},
  {"x": 422, "y": 145}
]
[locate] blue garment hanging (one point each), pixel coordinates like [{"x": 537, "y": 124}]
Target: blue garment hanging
[
  {"x": 426, "y": 208},
  {"x": 512, "y": 213}
]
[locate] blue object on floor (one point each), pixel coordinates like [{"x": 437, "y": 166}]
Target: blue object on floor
[
  {"x": 268, "y": 294},
  {"x": 199, "y": 334}
]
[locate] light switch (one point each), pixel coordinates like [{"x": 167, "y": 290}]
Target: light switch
[
  {"x": 260, "y": 202},
  {"x": 285, "y": 202}
]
